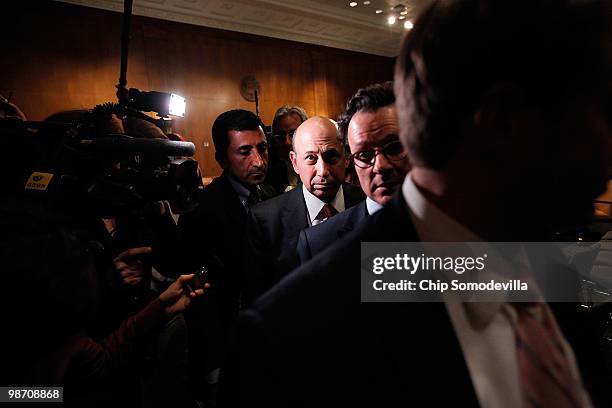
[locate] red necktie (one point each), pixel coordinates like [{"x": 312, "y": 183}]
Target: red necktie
[
  {"x": 544, "y": 369},
  {"x": 327, "y": 211}
]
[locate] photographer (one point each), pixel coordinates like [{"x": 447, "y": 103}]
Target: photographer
[
  {"x": 107, "y": 202},
  {"x": 56, "y": 266}
]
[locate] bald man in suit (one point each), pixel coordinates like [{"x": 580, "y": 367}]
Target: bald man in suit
[
  {"x": 370, "y": 128},
  {"x": 274, "y": 226},
  {"x": 496, "y": 119}
]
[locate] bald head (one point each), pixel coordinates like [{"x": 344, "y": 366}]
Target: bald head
[
  {"x": 320, "y": 124},
  {"x": 318, "y": 157}
]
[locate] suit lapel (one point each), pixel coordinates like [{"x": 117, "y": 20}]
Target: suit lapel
[
  {"x": 294, "y": 215},
  {"x": 358, "y": 214},
  {"x": 294, "y": 218},
  {"x": 235, "y": 206}
]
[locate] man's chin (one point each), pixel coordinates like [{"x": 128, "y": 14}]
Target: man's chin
[
  {"x": 255, "y": 180},
  {"x": 384, "y": 193},
  {"x": 324, "y": 194},
  {"x": 382, "y": 199}
]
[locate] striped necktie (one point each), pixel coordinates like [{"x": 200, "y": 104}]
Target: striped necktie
[
  {"x": 545, "y": 375},
  {"x": 253, "y": 199},
  {"x": 326, "y": 212}
]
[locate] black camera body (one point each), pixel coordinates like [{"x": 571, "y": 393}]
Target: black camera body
[{"x": 108, "y": 174}]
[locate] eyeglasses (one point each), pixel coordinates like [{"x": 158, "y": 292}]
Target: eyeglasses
[
  {"x": 393, "y": 151},
  {"x": 282, "y": 135}
]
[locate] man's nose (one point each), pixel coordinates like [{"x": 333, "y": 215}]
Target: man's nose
[
  {"x": 257, "y": 159},
  {"x": 381, "y": 163},
  {"x": 322, "y": 168}
]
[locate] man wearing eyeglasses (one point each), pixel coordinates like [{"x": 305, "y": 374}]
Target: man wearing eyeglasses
[
  {"x": 496, "y": 119},
  {"x": 286, "y": 120},
  {"x": 274, "y": 226},
  {"x": 370, "y": 127}
]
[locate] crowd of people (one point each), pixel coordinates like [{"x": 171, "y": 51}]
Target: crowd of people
[{"x": 495, "y": 128}]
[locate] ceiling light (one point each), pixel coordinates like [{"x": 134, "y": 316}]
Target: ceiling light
[
  {"x": 391, "y": 20},
  {"x": 402, "y": 17},
  {"x": 403, "y": 13},
  {"x": 353, "y": 3},
  {"x": 367, "y": 3},
  {"x": 378, "y": 11},
  {"x": 408, "y": 25}
]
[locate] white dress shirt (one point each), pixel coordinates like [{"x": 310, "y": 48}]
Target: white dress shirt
[
  {"x": 372, "y": 206},
  {"x": 314, "y": 205},
  {"x": 485, "y": 330}
]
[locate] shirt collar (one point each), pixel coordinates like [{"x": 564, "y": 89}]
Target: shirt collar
[
  {"x": 372, "y": 206},
  {"x": 314, "y": 204},
  {"x": 239, "y": 188},
  {"x": 434, "y": 225}
]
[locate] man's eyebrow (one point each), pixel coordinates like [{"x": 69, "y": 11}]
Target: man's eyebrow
[
  {"x": 391, "y": 137},
  {"x": 243, "y": 147}
]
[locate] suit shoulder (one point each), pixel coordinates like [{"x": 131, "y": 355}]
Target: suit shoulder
[
  {"x": 338, "y": 262},
  {"x": 274, "y": 204},
  {"x": 321, "y": 275},
  {"x": 220, "y": 186}
]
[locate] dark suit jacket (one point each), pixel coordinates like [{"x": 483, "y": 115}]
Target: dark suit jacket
[
  {"x": 310, "y": 341},
  {"x": 211, "y": 235},
  {"x": 318, "y": 238},
  {"x": 271, "y": 237}
]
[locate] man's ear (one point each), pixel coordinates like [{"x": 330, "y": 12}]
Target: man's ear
[{"x": 293, "y": 158}]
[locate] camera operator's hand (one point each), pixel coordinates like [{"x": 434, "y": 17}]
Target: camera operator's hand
[
  {"x": 130, "y": 267},
  {"x": 178, "y": 295}
]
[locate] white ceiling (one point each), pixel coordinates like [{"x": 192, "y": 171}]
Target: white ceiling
[{"x": 331, "y": 23}]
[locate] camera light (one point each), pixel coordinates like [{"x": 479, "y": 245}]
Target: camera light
[
  {"x": 177, "y": 105},
  {"x": 391, "y": 20},
  {"x": 408, "y": 25}
]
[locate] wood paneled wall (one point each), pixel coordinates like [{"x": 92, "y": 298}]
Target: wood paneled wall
[{"x": 61, "y": 56}]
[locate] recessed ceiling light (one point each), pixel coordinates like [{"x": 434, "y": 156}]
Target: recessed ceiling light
[
  {"x": 378, "y": 11},
  {"x": 408, "y": 25},
  {"x": 403, "y": 13},
  {"x": 402, "y": 17},
  {"x": 353, "y": 3},
  {"x": 391, "y": 20},
  {"x": 367, "y": 3}
]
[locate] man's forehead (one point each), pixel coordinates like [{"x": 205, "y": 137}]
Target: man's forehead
[
  {"x": 315, "y": 141},
  {"x": 380, "y": 124},
  {"x": 373, "y": 119},
  {"x": 291, "y": 117},
  {"x": 246, "y": 137}
]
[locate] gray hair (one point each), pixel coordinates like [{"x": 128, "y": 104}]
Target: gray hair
[{"x": 288, "y": 110}]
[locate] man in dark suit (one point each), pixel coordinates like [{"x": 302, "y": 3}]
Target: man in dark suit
[
  {"x": 273, "y": 227},
  {"x": 210, "y": 235},
  {"x": 369, "y": 127},
  {"x": 496, "y": 120}
]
